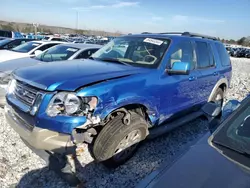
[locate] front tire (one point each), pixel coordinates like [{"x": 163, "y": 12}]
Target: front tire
[{"x": 117, "y": 142}]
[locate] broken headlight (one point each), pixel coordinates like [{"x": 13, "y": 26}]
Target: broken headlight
[{"x": 70, "y": 104}]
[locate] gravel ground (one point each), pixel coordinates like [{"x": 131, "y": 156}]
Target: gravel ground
[{"x": 19, "y": 166}]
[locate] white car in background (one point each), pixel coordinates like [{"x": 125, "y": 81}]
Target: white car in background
[
  {"x": 53, "y": 38},
  {"x": 29, "y": 49}
]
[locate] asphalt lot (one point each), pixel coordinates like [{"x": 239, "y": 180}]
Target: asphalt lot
[{"x": 19, "y": 166}]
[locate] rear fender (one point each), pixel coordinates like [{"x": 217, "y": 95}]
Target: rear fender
[{"x": 218, "y": 84}]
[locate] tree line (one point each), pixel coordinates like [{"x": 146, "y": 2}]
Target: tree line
[{"x": 29, "y": 28}]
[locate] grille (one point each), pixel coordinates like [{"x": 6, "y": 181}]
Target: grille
[{"x": 25, "y": 93}]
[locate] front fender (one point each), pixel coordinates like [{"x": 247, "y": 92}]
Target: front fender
[{"x": 152, "y": 107}]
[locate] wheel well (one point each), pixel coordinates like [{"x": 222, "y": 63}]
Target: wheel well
[
  {"x": 223, "y": 87},
  {"x": 138, "y": 108}
]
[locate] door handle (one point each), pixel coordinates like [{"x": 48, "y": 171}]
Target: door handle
[
  {"x": 216, "y": 73},
  {"x": 192, "y": 78}
]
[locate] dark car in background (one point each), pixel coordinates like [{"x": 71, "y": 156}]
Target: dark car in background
[
  {"x": 9, "y": 43},
  {"x": 247, "y": 53},
  {"x": 10, "y": 34},
  {"x": 218, "y": 159},
  {"x": 241, "y": 52}
]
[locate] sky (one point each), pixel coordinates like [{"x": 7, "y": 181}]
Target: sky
[{"x": 221, "y": 18}]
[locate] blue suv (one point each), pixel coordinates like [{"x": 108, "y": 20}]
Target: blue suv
[{"x": 136, "y": 86}]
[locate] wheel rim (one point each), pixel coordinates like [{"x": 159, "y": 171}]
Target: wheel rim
[{"x": 127, "y": 145}]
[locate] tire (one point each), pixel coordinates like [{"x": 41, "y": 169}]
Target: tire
[
  {"x": 113, "y": 134},
  {"x": 218, "y": 97}
]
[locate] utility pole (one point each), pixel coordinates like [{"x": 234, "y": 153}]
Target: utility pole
[
  {"x": 77, "y": 18},
  {"x": 35, "y": 25}
]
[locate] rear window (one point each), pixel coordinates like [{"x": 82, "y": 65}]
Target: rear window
[
  {"x": 204, "y": 53},
  {"x": 224, "y": 57}
]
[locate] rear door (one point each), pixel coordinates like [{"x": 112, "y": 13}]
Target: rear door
[
  {"x": 207, "y": 66},
  {"x": 225, "y": 61}
]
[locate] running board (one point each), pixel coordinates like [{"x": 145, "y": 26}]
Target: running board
[{"x": 162, "y": 129}]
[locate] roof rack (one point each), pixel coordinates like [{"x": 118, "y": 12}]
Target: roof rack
[
  {"x": 198, "y": 35},
  {"x": 188, "y": 34}
]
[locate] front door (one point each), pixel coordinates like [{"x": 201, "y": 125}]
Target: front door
[{"x": 180, "y": 91}]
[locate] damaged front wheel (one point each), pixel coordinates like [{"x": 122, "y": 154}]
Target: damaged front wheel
[{"x": 117, "y": 142}]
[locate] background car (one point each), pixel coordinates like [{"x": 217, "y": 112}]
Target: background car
[
  {"x": 9, "y": 43},
  {"x": 27, "y": 49},
  {"x": 247, "y": 53},
  {"x": 10, "y": 34},
  {"x": 210, "y": 165},
  {"x": 68, "y": 52},
  {"x": 52, "y": 38}
]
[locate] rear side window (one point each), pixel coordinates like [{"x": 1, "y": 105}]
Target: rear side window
[
  {"x": 224, "y": 57},
  {"x": 205, "y": 58}
]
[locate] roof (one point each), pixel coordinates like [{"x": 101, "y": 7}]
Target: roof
[
  {"x": 175, "y": 35},
  {"x": 48, "y": 42},
  {"x": 81, "y": 45}
]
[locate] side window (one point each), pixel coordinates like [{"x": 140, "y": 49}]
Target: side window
[
  {"x": 183, "y": 52},
  {"x": 46, "y": 46},
  {"x": 204, "y": 55},
  {"x": 14, "y": 44},
  {"x": 224, "y": 57},
  {"x": 86, "y": 54},
  {"x": 211, "y": 56}
]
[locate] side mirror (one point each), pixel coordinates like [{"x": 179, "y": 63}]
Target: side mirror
[
  {"x": 229, "y": 108},
  {"x": 179, "y": 68},
  {"x": 38, "y": 52}
]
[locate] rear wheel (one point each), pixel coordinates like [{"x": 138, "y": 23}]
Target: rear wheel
[
  {"x": 117, "y": 142},
  {"x": 218, "y": 97}
]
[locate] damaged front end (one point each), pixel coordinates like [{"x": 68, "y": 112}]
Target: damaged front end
[{"x": 87, "y": 131}]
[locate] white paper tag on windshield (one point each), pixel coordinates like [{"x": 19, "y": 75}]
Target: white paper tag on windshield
[
  {"x": 35, "y": 44},
  {"x": 153, "y": 41},
  {"x": 72, "y": 49}
]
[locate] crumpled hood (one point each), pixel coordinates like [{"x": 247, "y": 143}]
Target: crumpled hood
[
  {"x": 71, "y": 75},
  {"x": 13, "y": 64},
  {"x": 6, "y": 55}
]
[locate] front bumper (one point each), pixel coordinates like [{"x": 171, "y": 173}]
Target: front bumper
[{"x": 42, "y": 139}]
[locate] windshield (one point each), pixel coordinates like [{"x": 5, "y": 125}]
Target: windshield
[
  {"x": 5, "y": 41},
  {"x": 135, "y": 51},
  {"x": 57, "y": 53},
  {"x": 26, "y": 47},
  {"x": 46, "y": 38}
]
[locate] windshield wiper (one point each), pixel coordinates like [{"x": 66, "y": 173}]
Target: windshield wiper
[{"x": 113, "y": 60}]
